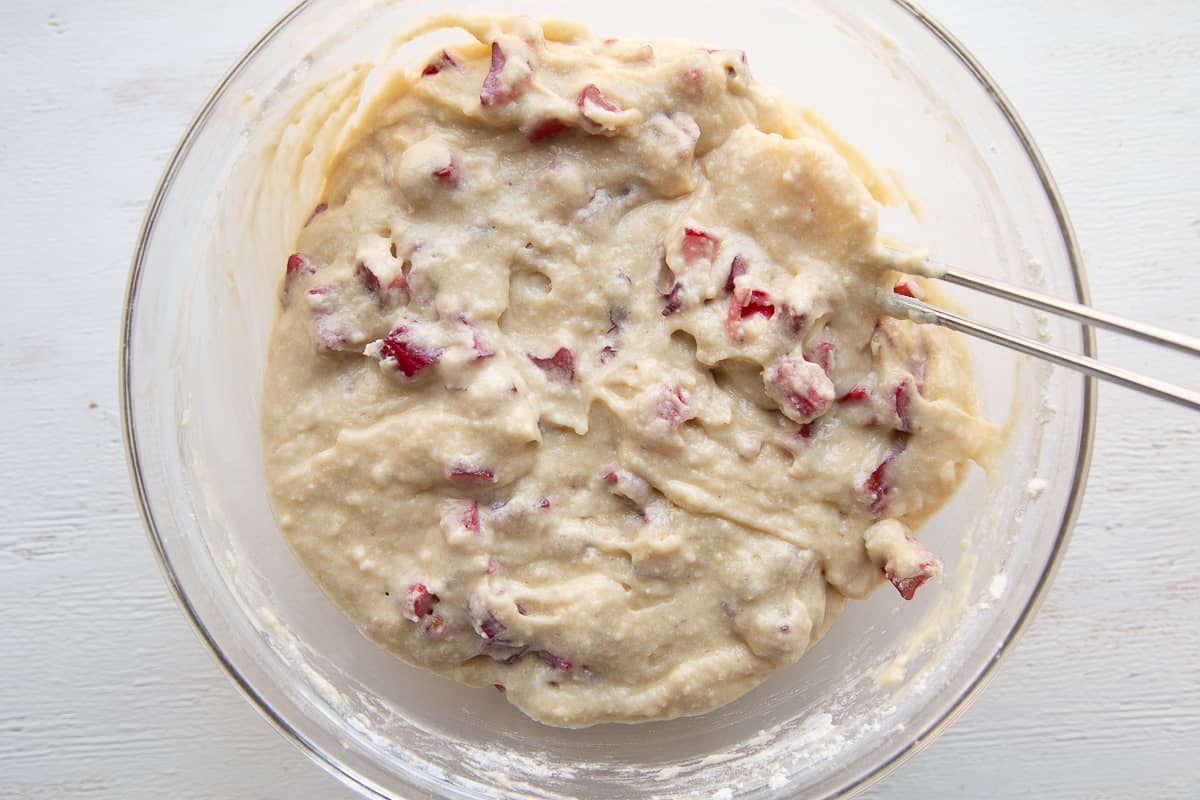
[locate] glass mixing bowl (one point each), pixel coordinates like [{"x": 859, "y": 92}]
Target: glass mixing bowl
[{"x": 886, "y": 679}]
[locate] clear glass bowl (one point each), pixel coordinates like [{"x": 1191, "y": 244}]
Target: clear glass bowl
[{"x": 886, "y": 679}]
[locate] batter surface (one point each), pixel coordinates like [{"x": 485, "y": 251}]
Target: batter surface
[{"x": 581, "y": 385}]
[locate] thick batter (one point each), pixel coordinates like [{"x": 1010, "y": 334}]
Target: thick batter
[{"x": 581, "y": 386}]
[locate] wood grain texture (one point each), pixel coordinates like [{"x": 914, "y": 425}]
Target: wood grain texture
[{"x": 106, "y": 692}]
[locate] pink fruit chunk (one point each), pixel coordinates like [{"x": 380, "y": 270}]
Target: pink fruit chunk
[
  {"x": 824, "y": 356},
  {"x": 591, "y": 94},
  {"x": 408, "y": 357},
  {"x": 903, "y": 288},
  {"x": 560, "y": 365},
  {"x": 443, "y": 61},
  {"x": 806, "y": 430},
  {"x": 900, "y": 401},
  {"x": 746, "y": 303},
  {"x": 697, "y": 245},
  {"x": 368, "y": 277},
  {"x": 499, "y": 687},
  {"x": 448, "y": 174},
  {"x": 855, "y": 395},
  {"x": 491, "y": 628},
  {"x": 802, "y": 390},
  {"x": 460, "y": 473},
  {"x": 555, "y": 662},
  {"x": 693, "y": 78},
  {"x": 298, "y": 264},
  {"x": 316, "y": 212},
  {"x": 543, "y": 503},
  {"x": 908, "y": 586},
  {"x": 673, "y": 300},
  {"x": 494, "y": 92},
  {"x": 876, "y": 487},
  {"x": 420, "y": 602},
  {"x": 737, "y": 267},
  {"x": 470, "y": 517},
  {"x": 792, "y": 321},
  {"x": 545, "y": 129},
  {"x": 673, "y": 407}
]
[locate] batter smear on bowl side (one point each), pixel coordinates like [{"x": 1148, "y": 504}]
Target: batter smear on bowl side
[{"x": 581, "y": 385}]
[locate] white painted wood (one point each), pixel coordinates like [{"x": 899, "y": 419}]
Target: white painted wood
[{"x": 106, "y": 693}]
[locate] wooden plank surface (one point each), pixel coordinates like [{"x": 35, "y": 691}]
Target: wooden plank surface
[{"x": 106, "y": 693}]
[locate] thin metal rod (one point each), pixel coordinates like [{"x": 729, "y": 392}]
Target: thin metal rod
[
  {"x": 923, "y": 312},
  {"x": 1075, "y": 311}
]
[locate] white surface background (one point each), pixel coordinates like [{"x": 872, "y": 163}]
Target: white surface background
[{"x": 105, "y": 692}]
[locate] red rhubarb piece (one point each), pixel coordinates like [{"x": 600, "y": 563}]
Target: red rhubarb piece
[
  {"x": 855, "y": 395},
  {"x": 673, "y": 406},
  {"x": 443, "y": 61},
  {"x": 561, "y": 364},
  {"x": 591, "y": 94},
  {"x": 546, "y": 129},
  {"x": 368, "y": 277},
  {"x": 697, "y": 245},
  {"x": 493, "y": 92},
  {"x": 900, "y": 401},
  {"x": 420, "y": 602},
  {"x": 876, "y": 486},
  {"x": 736, "y": 267},
  {"x": 556, "y": 662},
  {"x": 903, "y": 288},
  {"x": 459, "y": 473},
  {"x": 316, "y": 212},
  {"x": 409, "y": 358}
]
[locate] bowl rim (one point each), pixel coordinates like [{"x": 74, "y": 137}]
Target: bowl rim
[{"x": 920, "y": 739}]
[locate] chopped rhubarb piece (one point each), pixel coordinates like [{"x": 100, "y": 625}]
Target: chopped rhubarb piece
[
  {"x": 561, "y": 364},
  {"x": 903, "y": 288},
  {"x": 420, "y": 602},
  {"x": 556, "y": 662},
  {"x": 802, "y": 390},
  {"x": 607, "y": 353},
  {"x": 298, "y": 263},
  {"x": 693, "y": 78},
  {"x": 443, "y": 61},
  {"x": 746, "y": 303},
  {"x": 448, "y": 174},
  {"x": 876, "y": 486},
  {"x": 459, "y": 473},
  {"x": 611, "y": 476},
  {"x": 591, "y": 94},
  {"x": 756, "y": 302},
  {"x": 499, "y": 687},
  {"x": 398, "y": 282},
  {"x": 824, "y": 357},
  {"x": 901, "y": 558},
  {"x": 736, "y": 267},
  {"x": 673, "y": 301},
  {"x": 494, "y": 92},
  {"x": 316, "y": 212},
  {"x": 697, "y": 245},
  {"x": 546, "y": 129},
  {"x": 900, "y": 401},
  {"x": 806, "y": 430},
  {"x": 470, "y": 516},
  {"x": 855, "y": 395},
  {"x": 543, "y": 503},
  {"x": 489, "y": 627},
  {"x": 673, "y": 407},
  {"x": 368, "y": 277},
  {"x": 793, "y": 321},
  {"x": 408, "y": 357}
]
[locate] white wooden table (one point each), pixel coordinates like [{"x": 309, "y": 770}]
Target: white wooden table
[{"x": 106, "y": 693}]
